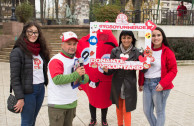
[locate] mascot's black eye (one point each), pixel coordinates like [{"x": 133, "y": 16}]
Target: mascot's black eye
[
  {"x": 110, "y": 43},
  {"x": 85, "y": 55}
]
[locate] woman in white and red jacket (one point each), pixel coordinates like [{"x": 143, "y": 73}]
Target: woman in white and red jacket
[{"x": 156, "y": 83}]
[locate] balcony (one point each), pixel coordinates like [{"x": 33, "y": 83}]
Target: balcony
[{"x": 163, "y": 16}]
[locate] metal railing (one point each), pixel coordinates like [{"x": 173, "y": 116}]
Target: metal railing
[{"x": 163, "y": 16}]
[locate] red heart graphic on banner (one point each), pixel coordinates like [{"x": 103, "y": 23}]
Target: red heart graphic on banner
[
  {"x": 124, "y": 57},
  {"x": 142, "y": 59},
  {"x": 150, "y": 25}
]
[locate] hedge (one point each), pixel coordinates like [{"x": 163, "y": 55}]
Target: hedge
[{"x": 183, "y": 48}]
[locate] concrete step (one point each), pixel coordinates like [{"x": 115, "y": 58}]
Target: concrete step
[
  {"x": 7, "y": 49},
  {"x": 57, "y": 35},
  {"x": 55, "y": 48},
  {"x": 6, "y": 56},
  {"x": 4, "y": 53},
  {"x": 4, "y": 60},
  {"x": 55, "y": 51}
]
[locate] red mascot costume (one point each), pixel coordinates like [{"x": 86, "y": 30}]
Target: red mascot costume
[{"x": 99, "y": 87}]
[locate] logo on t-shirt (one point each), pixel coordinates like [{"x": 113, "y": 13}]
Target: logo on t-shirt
[{"x": 37, "y": 63}]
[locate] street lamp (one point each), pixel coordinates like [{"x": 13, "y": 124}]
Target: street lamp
[{"x": 13, "y": 17}]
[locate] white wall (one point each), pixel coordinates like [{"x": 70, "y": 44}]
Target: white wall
[{"x": 170, "y": 31}]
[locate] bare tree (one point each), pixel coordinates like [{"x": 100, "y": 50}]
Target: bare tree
[
  {"x": 41, "y": 10},
  {"x": 48, "y": 10},
  {"x": 32, "y": 2},
  {"x": 138, "y": 4},
  {"x": 57, "y": 8},
  {"x": 0, "y": 10},
  {"x": 6, "y": 1},
  {"x": 53, "y": 9},
  {"x": 68, "y": 2},
  {"x": 44, "y": 14}
]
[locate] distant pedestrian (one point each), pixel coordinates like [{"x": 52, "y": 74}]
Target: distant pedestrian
[
  {"x": 182, "y": 11},
  {"x": 28, "y": 65},
  {"x": 156, "y": 83}
]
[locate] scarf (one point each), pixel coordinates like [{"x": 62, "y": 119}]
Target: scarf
[
  {"x": 67, "y": 54},
  {"x": 126, "y": 51},
  {"x": 34, "y": 48}
]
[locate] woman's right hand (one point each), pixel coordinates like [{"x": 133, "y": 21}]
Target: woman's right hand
[
  {"x": 105, "y": 69},
  {"x": 19, "y": 105},
  {"x": 140, "y": 88}
]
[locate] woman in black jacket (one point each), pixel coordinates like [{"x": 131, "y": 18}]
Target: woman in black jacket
[
  {"x": 28, "y": 69},
  {"x": 123, "y": 89}
]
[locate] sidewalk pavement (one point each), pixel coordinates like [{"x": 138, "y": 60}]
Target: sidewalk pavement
[{"x": 179, "y": 109}]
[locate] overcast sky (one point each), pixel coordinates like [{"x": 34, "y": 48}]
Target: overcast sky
[{"x": 37, "y": 2}]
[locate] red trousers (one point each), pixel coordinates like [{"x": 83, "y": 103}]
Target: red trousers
[{"x": 121, "y": 112}]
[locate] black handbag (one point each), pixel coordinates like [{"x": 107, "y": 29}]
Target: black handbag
[{"x": 11, "y": 102}]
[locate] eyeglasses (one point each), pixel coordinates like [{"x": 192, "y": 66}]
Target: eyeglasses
[{"x": 31, "y": 33}]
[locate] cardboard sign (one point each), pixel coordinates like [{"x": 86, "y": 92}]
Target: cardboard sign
[{"x": 121, "y": 24}]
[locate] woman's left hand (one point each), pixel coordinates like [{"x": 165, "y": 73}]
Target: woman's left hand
[
  {"x": 150, "y": 53},
  {"x": 159, "y": 87},
  {"x": 19, "y": 106}
]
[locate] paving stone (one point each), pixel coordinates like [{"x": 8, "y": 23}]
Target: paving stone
[{"x": 179, "y": 108}]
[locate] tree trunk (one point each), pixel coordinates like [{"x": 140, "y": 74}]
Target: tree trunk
[
  {"x": 41, "y": 10},
  {"x": 53, "y": 9},
  {"x": 17, "y": 2},
  {"x": 138, "y": 4},
  {"x": 32, "y": 2},
  {"x": 0, "y": 11},
  {"x": 69, "y": 3},
  {"x": 44, "y": 9},
  {"x": 56, "y": 8},
  {"x": 133, "y": 2}
]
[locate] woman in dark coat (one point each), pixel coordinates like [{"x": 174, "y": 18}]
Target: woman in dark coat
[
  {"x": 28, "y": 70},
  {"x": 123, "y": 90}
]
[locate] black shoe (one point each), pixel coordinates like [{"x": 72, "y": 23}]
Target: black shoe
[
  {"x": 92, "y": 123},
  {"x": 104, "y": 123}
]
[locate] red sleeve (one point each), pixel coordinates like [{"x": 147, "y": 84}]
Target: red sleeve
[
  {"x": 178, "y": 8},
  {"x": 55, "y": 67},
  {"x": 171, "y": 66},
  {"x": 141, "y": 78}
]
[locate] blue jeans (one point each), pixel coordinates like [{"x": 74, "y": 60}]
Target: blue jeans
[
  {"x": 153, "y": 98},
  {"x": 32, "y": 105}
]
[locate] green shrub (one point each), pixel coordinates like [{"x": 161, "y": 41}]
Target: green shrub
[
  {"x": 102, "y": 13},
  {"x": 183, "y": 48},
  {"x": 24, "y": 12},
  {"x": 107, "y": 13}
]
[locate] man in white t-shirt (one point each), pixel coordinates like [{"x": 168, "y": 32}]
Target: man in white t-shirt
[{"x": 62, "y": 96}]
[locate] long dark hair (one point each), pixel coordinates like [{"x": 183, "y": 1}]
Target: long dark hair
[
  {"x": 124, "y": 33},
  {"x": 164, "y": 41},
  {"x": 44, "y": 50}
]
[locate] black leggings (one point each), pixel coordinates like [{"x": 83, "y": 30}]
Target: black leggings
[{"x": 93, "y": 113}]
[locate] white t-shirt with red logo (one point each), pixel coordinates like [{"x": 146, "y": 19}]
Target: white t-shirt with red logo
[{"x": 38, "y": 75}]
